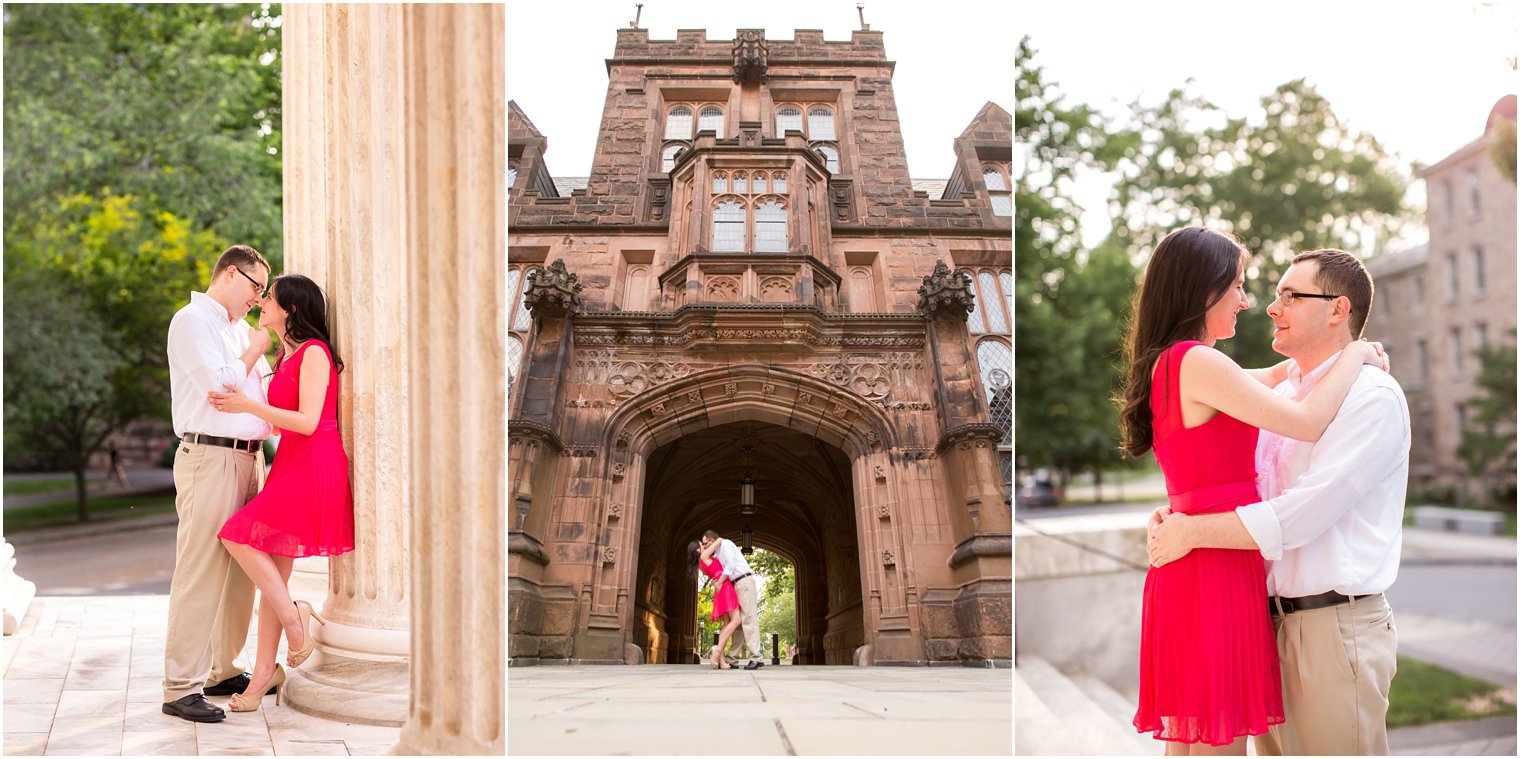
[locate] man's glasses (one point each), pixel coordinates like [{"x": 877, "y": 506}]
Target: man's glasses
[
  {"x": 262, "y": 290},
  {"x": 1288, "y": 296}
]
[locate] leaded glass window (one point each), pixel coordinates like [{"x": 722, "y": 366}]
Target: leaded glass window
[
  {"x": 996, "y": 362},
  {"x": 668, "y": 158},
  {"x": 788, "y": 118},
  {"x": 779, "y": 179},
  {"x": 720, "y": 183},
  {"x": 770, "y": 227},
  {"x": 522, "y": 319},
  {"x": 514, "y": 357},
  {"x": 831, "y": 157},
  {"x": 992, "y": 303},
  {"x": 728, "y": 226},
  {"x": 678, "y": 124},
  {"x": 821, "y": 124},
  {"x": 711, "y": 118}
]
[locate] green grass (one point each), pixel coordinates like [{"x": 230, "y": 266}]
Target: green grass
[
  {"x": 65, "y": 512},
  {"x": 27, "y": 487},
  {"x": 1425, "y": 693}
]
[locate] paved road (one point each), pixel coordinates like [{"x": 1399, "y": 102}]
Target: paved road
[{"x": 125, "y": 562}]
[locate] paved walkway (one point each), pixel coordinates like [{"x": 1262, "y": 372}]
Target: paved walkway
[
  {"x": 84, "y": 676},
  {"x": 689, "y": 709},
  {"x": 141, "y": 481}
]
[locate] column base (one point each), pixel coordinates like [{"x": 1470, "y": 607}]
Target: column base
[{"x": 350, "y": 690}]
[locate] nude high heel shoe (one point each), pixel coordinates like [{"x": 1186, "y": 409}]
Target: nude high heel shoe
[
  {"x": 240, "y": 703},
  {"x": 295, "y": 658}
]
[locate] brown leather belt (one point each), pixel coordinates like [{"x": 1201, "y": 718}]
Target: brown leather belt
[{"x": 1310, "y": 603}]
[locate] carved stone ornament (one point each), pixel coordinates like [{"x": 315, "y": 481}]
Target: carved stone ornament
[
  {"x": 880, "y": 472},
  {"x": 615, "y": 511},
  {"x": 872, "y": 437},
  {"x": 946, "y": 292},
  {"x": 804, "y": 398},
  {"x": 618, "y": 469},
  {"x": 768, "y": 390},
  {"x": 730, "y": 389},
  {"x": 694, "y": 397},
  {"x": 623, "y": 438},
  {"x": 839, "y": 410},
  {"x": 751, "y": 54},
  {"x": 883, "y": 511},
  {"x": 657, "y": 410},
  {"x": 609, "y": 555},
  {"x": 888, "y": 558},
  {"x": 553, "y": 292}
]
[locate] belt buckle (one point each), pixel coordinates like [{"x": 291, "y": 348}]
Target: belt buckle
[{"x": 1288, "y": 606}]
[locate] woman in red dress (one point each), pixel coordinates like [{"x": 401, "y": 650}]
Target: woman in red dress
[
  {"x": 306, "y": 505},
  {"x": 1208, "y": 652},
  {"x": 725, "y": 600}
]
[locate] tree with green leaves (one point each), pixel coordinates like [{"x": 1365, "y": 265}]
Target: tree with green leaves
[
  {"x": 178, "y": 104},
  {"x": 779, "y": 617},
  {"x": 1488, "y": 442},
  {"x": 1069, "y": 302},
  {"x": 93, "y": 282},
  {"x": 1297, "y": 178},
  {"x": 1502, "y": 149}
]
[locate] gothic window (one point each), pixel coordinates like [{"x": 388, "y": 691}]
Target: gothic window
[
  {"x": 511, "y": 174},
  {"x": 821, "y": 124},
  {"x": 678, "y": 123},
  {"x": 770, "y": 227},
  {"x": 720, "y": 183},
  {"x": 757, "y": 183},
  {"x": 993, "y": 291},
  {"x": 711, "y": 119},
  {"x": 668, "y": 157},
  {"x": 517, "y": 285},
  {"x": 788, "y": 118},
  {"x": 514, "y": 358},
  {"x": 830, "y": 156},
  {"x": 778, "y": 180},
  {"x": 728, "y": 226},
  {"x": 995, "y": 360},
  {"x": 995, "y": 177},
  {"x": 741, "y": 183}
]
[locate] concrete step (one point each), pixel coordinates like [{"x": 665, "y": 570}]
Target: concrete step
[
  {"x": 1122, "y": 709},
  {"x": 1053, "y": 716}
]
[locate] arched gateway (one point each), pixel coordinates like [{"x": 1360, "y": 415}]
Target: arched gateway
[{"x": 734, "y": 300}]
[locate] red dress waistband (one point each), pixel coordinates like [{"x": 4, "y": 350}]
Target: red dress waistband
[{"x": 1214, "y": 498}]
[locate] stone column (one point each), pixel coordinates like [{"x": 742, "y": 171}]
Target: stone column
[
  {"x": 16, "y": 593},
  {"x": 456, "y": 182},
  {"x": 347, "y": 218}
]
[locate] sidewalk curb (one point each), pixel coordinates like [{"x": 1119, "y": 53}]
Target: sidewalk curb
[
  {"x": 1443, "y": 733},
  {"x": 126, "y": 524}
]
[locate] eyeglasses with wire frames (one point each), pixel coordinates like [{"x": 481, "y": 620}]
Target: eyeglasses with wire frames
[
  {"x": 1289, "y": 296},
  {"x": 262, "y": 290}
]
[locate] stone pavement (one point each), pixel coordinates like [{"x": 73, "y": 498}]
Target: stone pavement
[
  {"x": 689, "y": 709},
  {"x": 84, "y": 675}
]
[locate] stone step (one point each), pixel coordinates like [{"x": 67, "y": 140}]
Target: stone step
[
  {"x": 1061, "y": 718},
  {"x": 1122, "y": 709}
]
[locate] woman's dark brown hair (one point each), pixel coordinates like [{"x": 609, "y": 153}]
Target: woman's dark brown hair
[
  {"x": 305, "y": 313},
  {"x": 1190, "y": 270}
]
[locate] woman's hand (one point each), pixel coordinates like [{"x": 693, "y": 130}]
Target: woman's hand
[
  {"x": 232, "y": 401},
  {"x": 1375, "y": 356}
]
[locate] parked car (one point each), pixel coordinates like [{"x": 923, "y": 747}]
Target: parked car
[{"x": 1038, "y": 492}]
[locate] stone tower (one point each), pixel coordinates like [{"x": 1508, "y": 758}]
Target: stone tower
[{"x": 749, "y": 289}]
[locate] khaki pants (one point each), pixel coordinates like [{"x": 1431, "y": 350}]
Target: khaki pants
[
  {"x": 1337, "y": 665},
  {"x": 749, "y": 616},
  {"x": 210, "y": 599}
]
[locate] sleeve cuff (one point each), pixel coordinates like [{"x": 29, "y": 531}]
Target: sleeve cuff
[{"x": 1261, "y": 522}]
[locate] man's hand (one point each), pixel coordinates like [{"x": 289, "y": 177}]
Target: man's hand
[
  {"x": 1167, "y": 542},
  {"x": 258, "y": 340}
]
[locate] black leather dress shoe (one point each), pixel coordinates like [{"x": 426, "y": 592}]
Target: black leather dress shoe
[
  {"x": 754, "y": 665},
  {"x": 195, "y": 708},
  {"x": 235, "y": 684}
]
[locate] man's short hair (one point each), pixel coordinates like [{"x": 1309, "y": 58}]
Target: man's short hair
[
  {"x": 242, "y": 256},
  {"x": 1341, "y": 273},
  {"x": 712, "y": 535}
]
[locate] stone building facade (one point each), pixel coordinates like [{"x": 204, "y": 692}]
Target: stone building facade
[
  {"x": 749, "y": 290},
  {"x": 1438, "y": 303}
]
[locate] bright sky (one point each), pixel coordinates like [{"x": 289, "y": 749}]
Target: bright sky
[
  {"x": 1419, "y": 76},
  {"x": 946, "y": 71}
]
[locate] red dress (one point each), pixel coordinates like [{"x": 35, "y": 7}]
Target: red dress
[
  {"x": 306, "y": 507},
  {"x": 1208, "y": 652},
  {"x": 725, "y": 600}
]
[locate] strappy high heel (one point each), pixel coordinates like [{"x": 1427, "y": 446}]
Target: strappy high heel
[
  {"x": 295, "y": 658},
  {"x": 241, "y": 703}
]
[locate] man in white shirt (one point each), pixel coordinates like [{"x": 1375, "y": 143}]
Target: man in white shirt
[
  {"x": 219, "y": 467},
  {"x": 738, "y": 572},
  {"x": 1331, "y": 527}
]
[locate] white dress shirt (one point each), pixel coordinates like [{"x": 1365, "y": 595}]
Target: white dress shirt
[
  {"x": 205, "y": 344},
  {"x": 1334, "y": 514},
  {"x": 732, "y": 559}
]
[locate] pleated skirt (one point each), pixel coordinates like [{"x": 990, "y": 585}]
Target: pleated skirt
[
  {"x": 1208, "y": 652},
  {"x": 306, "y": 507}
]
